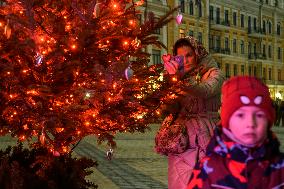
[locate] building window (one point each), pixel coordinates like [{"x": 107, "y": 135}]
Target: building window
[
  {"x": 279, "y": 75},
  {"x": 156, "y": 55},
  {"x": 249, "y": 48},
  {"x": 242, "y": 47},
  {"x": 226, "y": 43},
  {"x": 249, "y": 70},
  {"x": 190, "y": 33},
  {"x": 235, "y": 70},
  {"x": 191, "y": 8},
  {"x": 218, "y": 42},
  {"x": 242, "y": 20},
  {"x": 181, "y": 2},
  {"x": 254, "y": 24},
  {"x": 278, "y": 29},
  {"x": 217, "y": 15},
  {"x": 243, "y": 69},
  {"x": 157, "y": 31},
  {"x": 263, "y": 26},
  {"x": 226, "y": 17},
  {"x": 235, "y": 18},
  {"x": 269, "y": 74},
  {"x": 276, "y": 3},
  {"x": 254, "y": 71},
  {"x": 269, "y": 51},
  {"x": 264, "y": 74},
  {"x": 227, "y": 70},
  {"x": 211, "y": 42},
  {"x": 279, "y": 53},
  {"x": 269, "y": 27},
  {"x": 200, "y": 9},
  {"x": 264, "y": 51},
  {"x": 181, "y": 33},
  {"x": 254, "y": 49},
  {"x": 211, "y": 12},
  {"x": 249, "y": 23},
  {"x": 200, "y": 37},
  {"x": 235, "y": 46}
]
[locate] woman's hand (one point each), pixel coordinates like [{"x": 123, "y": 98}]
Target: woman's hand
[{"x": 170, "y": 65}]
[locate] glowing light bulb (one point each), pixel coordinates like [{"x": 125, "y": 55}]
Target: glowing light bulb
[{"x": 88, "y": 95}]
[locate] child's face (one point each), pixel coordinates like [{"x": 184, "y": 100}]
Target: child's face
[{"x": 249, "y": 125}]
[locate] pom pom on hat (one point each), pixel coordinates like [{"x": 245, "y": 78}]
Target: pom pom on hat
[{"x": 245, "y": 91}]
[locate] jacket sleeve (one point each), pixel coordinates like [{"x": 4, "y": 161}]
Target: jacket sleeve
[{"x": 207, "y": 87}]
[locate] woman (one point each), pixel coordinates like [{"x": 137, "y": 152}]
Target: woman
[{"x": 187, "y": 130}]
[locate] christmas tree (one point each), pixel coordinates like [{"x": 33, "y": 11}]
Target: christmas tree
[{"x": 71, "y": 68}]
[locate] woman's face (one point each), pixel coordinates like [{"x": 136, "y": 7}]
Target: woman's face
[
  {"x": 189, "y": 57},
  {"x": 249, "y": 125}
]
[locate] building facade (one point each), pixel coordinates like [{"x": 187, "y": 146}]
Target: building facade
[
  {"x": 159, "y": 8},
  {"x": 246, "y": 37}
]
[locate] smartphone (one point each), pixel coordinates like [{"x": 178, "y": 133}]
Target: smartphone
[{"x": 179, "y": 59}]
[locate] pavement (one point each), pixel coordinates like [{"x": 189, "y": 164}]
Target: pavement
[{"x": 134, "y": 165}]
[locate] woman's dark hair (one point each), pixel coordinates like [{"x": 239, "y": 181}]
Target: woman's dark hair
[{"x": 180, "y": 43}]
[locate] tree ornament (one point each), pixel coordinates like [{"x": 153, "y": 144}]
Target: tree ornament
[
  {"x": 136, "y": 43},
  {"x": 128, "y": 72},
  {"x": 56, "y": 153},
  {"x": 7, "y": 30},
  {"x": 96, "y": 12},
  {"x": 179, "y": 18},
  {"x": 42, "y": 138},
  {"x": 38, "y": 59}
]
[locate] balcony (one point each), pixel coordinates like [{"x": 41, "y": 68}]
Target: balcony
[
  {"x": 256, "y": 32},
  {"x": 220, "y": 50},
  {"x": 218, "y": 24},
  {"x": 256, "y": 56},
  {"x": 273, "y": 82}
]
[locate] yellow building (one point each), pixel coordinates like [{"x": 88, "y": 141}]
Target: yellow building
[
  {"x": 246, "y": 37},
  {"x": 159, "y": 8}
]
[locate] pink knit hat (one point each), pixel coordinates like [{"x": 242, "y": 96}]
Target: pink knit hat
[{"x": 245, "y": 91}]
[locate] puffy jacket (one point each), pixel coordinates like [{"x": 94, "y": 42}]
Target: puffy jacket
[
  {"x": 229, "y": 165},
  {"x": 184, "y": 140}
]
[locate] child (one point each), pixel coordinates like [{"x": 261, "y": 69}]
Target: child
[{"x": 244, "y": 153}]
